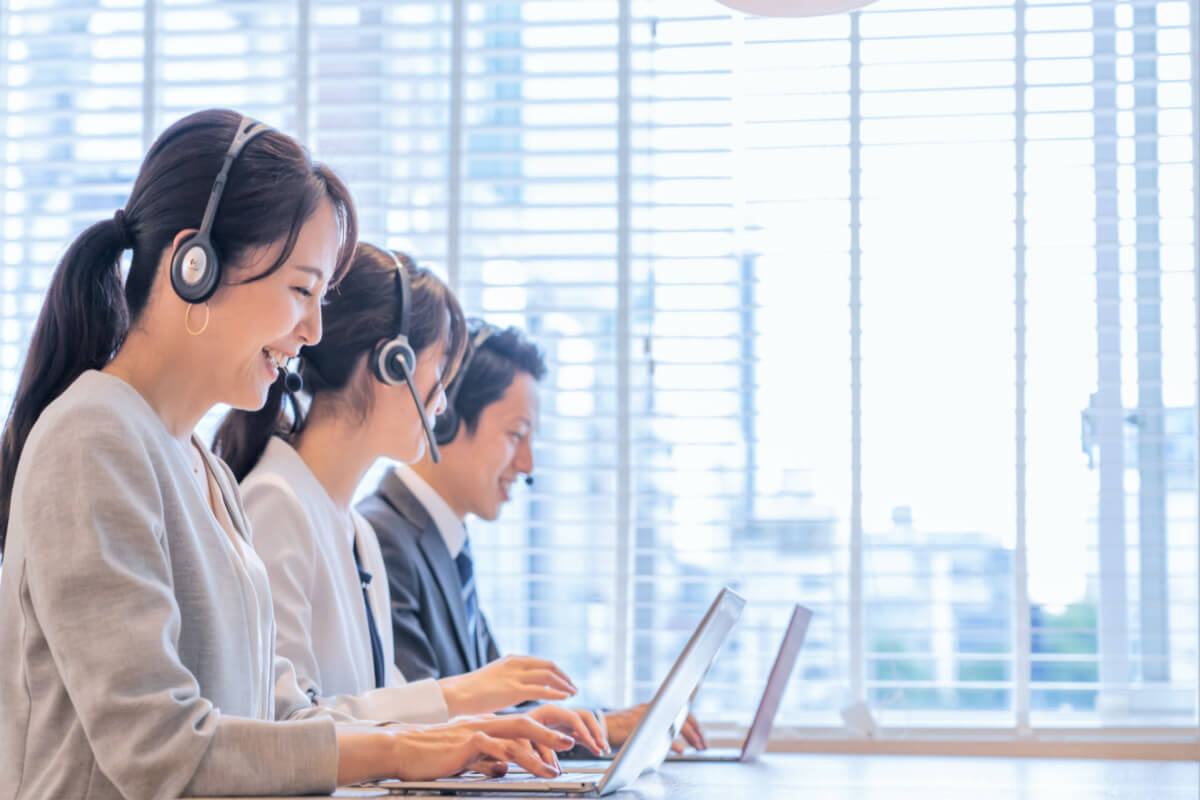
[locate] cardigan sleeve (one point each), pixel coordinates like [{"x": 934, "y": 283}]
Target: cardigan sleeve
[{"x": 101, "y": 586}]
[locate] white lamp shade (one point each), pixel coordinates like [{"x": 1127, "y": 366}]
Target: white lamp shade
[{"x": 795, "y": 8}]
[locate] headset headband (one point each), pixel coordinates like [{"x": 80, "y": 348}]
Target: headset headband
[
  {"x": 403, "y": 292},
  {"x": 485, "y": 331},
  {"x": 247, "y": 129},
  {"x": 195, "y": 267}
]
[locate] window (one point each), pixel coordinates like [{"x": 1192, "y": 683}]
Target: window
[
  {"x": 72, "y": 116},
  {"x": 890, "y": 313}
]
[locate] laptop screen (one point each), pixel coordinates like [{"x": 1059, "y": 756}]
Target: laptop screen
[
  {"x": 785, "y": 660},
  {"x": 650, "y": 741}
]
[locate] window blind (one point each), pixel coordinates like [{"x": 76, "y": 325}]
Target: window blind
[
  {"x": 1111, "y": 316},
  {"x": 207, "y": 54},
  {"x": 379, "y": 108},
  {"x": 937, "y": 113},
  {"x": 739, "y": 264},
  {"x": 890, "y": 313},
  {"x": 538, "y": 248},
  {"x": 72, "y": 118}
]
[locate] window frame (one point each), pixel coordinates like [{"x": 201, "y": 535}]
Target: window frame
[{"x": 1022, "y": 729}]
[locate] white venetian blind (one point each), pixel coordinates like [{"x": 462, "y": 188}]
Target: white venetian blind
[
  {"x": 892, "y": 314},
  {"x": 938, "y": 125},
  {"x": 1111, "y": 315},
  {"x": 71, "y": 113},
  {"x": 841, "y": 385},
  {"x": 228, "y": 55},
  {"x": 538, "y": 248},
  {"x": 739, "y": 264},
  {"x": 380, "y": 109}
]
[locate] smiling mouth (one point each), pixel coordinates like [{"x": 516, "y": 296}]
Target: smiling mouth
[{"x": 277, "y": 357}]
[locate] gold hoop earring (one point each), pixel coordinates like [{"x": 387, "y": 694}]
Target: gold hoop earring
[{"x": 187, "y": 323}]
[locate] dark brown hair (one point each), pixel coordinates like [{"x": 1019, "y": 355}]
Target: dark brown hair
[
  {"x": 491, "y": 371},
  {"x": 360, "y": 312},
  {"x": 273, "y": 188}
]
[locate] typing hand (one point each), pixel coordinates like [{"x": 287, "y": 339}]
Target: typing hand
[
  {"x": 577, "y": 722},
  {"x": 621, "y": 725},
  {"x": 486, "y": 744},
  {"x": 503, "y": 683},
  {"x": 691, "y": 734}
]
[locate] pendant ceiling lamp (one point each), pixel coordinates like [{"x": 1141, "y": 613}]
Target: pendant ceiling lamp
[{"x": 794, "y": 8}]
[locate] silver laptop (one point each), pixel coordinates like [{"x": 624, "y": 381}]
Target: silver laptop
[
  {"x": 651, "y": 739},
  {"x": 764, "y": 718}
]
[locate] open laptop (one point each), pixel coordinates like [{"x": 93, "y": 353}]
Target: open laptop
[
  {"x": 651, "y": 739},
  {"x": 764, "y": 718}
]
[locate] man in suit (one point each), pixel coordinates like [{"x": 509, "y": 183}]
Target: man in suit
[{"x": 419, "y": 513}]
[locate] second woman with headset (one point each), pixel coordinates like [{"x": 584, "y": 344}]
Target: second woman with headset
[{"x": 394, "y": 335}]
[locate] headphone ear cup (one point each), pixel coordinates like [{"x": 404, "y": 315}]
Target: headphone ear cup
[
  {"x": 392, "y": 360},
  {"x": 195, "y": 271},
  {"x": 446, "y": 426}
]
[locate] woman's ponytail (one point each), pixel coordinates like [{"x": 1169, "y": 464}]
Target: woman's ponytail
[
  {"x": 83, "y": 321},
  {"x": 272, "y": 189}
]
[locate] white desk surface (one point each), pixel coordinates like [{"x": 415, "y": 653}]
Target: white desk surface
[{"x": 842, "y": 777}]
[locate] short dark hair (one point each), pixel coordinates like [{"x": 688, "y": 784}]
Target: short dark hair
[{"x": 492, "y": 369}]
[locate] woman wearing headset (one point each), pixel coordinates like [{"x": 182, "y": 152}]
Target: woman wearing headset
[
  {"x": 394, "y": 335},
  {"x": 135, "y": 618}
]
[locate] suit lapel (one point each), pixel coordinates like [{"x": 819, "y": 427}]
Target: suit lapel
[{"x": 433, "y": 547}]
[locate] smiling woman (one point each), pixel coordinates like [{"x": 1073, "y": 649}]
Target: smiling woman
[
  {"x": 270, "y": 318},
  {"x": 91, "y": 317},
  {"x": 133, "y": 602}
]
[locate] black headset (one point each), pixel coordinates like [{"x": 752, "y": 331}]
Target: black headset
[
  {"x": 195, "y": 269},
  {"x": 393, "y": 360},
  {"x": 447, "y": 422}
]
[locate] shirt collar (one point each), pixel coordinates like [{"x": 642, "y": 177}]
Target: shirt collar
[{"x": 453, "y": 532}]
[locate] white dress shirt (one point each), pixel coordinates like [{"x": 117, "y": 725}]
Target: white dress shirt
[
  {"x": 453, "y": 532},
  {"x": 306, "y": 542}
]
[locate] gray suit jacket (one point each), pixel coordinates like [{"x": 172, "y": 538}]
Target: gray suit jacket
[
  {"x": 428, "y": 615},
  {"x": 429, "y": 627},
  {"x": 137, "y": 648}
]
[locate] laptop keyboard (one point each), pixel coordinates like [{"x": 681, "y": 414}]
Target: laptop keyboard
[{"x": 525, "y": 777}]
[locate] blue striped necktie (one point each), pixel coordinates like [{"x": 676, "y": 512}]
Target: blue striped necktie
[{"x": 466, "y": 576}]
